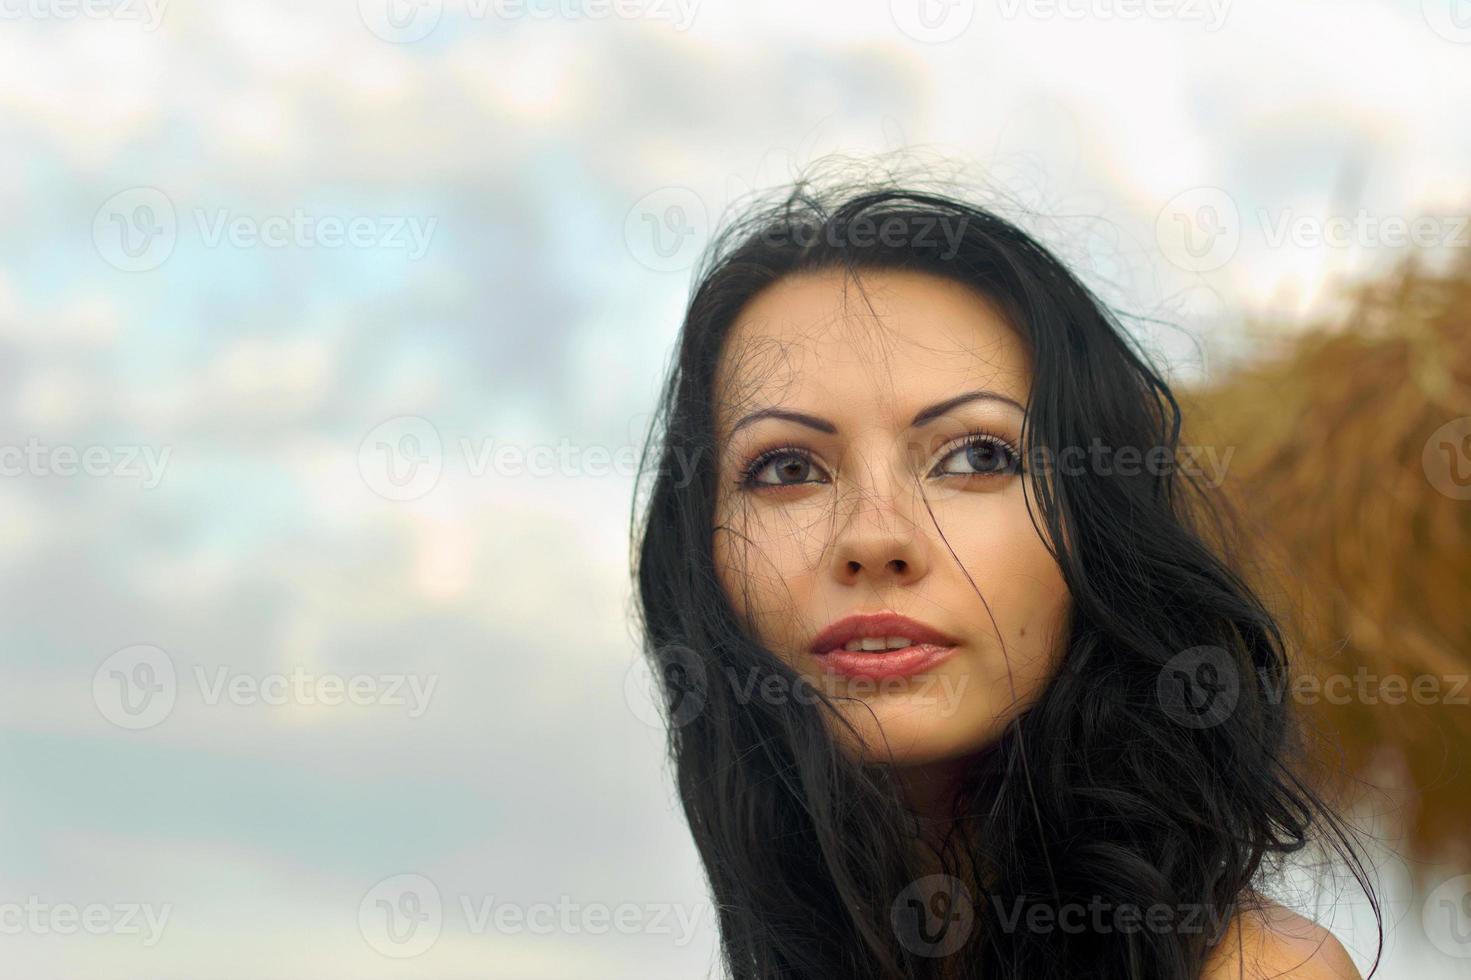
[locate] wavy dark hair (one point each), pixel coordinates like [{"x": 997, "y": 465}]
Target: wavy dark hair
[{"x": 1116, "y": 785}]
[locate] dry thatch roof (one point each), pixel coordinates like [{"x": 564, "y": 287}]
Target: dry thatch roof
[{"x": 1350, "y": 462}]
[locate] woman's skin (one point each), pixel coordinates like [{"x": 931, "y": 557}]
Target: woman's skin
[
  {"x": 849, "y": 531},
  {"x": 850, "y": 521},
  {"x": 1277, "y": 942}
]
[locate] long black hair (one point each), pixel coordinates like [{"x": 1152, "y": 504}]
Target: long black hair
[{"x": 1155, "y": 770}]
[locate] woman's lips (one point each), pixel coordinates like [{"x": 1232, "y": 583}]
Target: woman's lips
[
  {"x": 913, "y": 659},
  {"x": 928, "y": 647}
]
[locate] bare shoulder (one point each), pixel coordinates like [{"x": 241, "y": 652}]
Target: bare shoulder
[{"x": 1277, "y": 942}]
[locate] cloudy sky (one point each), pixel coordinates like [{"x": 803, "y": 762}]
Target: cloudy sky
[{"x": 330, "y": 329}]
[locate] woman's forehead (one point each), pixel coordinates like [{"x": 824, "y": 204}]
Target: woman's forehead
[{"x": 817, "y": 337}]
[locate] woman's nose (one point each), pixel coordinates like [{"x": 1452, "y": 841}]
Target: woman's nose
[{"x": 878, "y": 538}]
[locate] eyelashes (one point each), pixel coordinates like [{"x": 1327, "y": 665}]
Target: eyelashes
[
  {"x": 1005, "y": 462},
  {"x": 747, "y": 479}
]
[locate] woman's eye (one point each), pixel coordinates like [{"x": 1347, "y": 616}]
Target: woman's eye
[
  {"x": 985, "y": 456},
  {"x": 789, "y": 467}
]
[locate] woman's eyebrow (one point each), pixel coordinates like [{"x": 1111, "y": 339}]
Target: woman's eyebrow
[
  {"x": 923, "y": 417},
  {"x": 980, "y": 394}
]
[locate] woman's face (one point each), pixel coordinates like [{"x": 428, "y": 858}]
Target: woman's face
[{"x": 835, "y": 523}]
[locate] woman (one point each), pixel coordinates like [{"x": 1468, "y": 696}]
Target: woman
[{"x": 956, "y": 685}]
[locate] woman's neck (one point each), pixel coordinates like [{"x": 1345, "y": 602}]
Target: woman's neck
[{"x": 930, "y": 793}]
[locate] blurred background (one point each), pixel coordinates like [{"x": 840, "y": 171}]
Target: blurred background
[{"x": 330, "y": 330}]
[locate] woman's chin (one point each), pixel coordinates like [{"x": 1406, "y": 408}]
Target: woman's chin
[{"x": 899, "y": 735}]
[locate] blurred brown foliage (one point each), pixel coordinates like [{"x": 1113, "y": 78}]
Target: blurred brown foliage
[{"x": 1351, "y": 475}]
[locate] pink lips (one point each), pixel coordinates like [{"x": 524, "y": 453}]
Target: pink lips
[{"x": 928, "y": 647}]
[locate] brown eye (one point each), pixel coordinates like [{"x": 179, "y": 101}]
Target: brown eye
[{"x": 791, "y": 467}]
